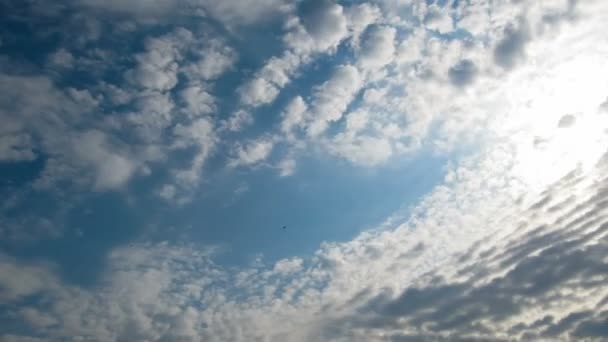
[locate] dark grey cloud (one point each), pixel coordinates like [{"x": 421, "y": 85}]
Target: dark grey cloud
[
  {"x": 463, "y": 73},
  {"x": 511, "y": 48}
]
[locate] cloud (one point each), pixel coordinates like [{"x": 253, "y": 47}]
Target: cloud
[
  {"x": 231, "y": 13},
  {"x": 510, "y": 246},
  {"x": 325, "y": 22},
  {"x": 20, "y": 280},
  {"x": 287, "y": 167},
  {"x": 254, "y": 152},
  {"x": 16, "y": 147},
  {"x": 197, "y": 101},
  {"x": 157, "y": 67},
  {"x": 257, "y": 92},
  {"x": 62, "y": 59},
  {"x": 566, "y": 121},
  {"x": 293, "y": 115},
  {"x": 238, "y": 121},
  {"x": 200, "y": 135},
  {"x": 111, "y": 169},
  {"x": 438, "y": 19},
  {"x": 213, "y": 58},
  {"x": 463, "y": 73},
  {"x": 16, "y": 338},
  {"x": 533, "y": 273},
  {"x": 377, "y": 47},
  {"x": 368, "y": 151},
  {"x": 332, "y": 98},
  {"x": 238, "y": 13},
  {"x": 510, "y": 49},
  {"x": 152, "y": 115},
  {"x": 287, "y": 266}
]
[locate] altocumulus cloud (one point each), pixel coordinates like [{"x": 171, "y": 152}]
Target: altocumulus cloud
[
  {"x": 536, "y": 271},
  {"x": 511, "y": 245}
]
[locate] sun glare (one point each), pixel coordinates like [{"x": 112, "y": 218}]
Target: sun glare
[{"x": 555, "y": 122}]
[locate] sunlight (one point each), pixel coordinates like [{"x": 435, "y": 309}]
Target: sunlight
[{"x": 555, "y": 124}]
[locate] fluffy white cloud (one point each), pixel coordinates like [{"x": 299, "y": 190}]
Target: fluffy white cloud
[
  {"x": 257, "y": 92},
  {"x": 322, "y": 26},
  {"x": 360, "y": 17},
  {"x": 157, "y": 67},
  {"x": 293, "y": 115},
  {"x": 197, "y": 101},
  {"x": 332, "y": 98},
  {"x": 325, "y": 22},
  {"x": 287, "y": 266},
  {"x": 238, "y": 121},
  {"x": 198, "y": 134},
  {"x": 286, "y": 167},
  {"x": 154, "y": 113},
  {"x": 438, "y": 19},
  {"x": 252, "y": 153},
  {"x": 377, "y": 47},
  {"x": 111, "y": 169},
  {"x": 213, "y": 58}
]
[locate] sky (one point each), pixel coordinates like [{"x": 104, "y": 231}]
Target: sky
[{"x": 309, "y": 170}]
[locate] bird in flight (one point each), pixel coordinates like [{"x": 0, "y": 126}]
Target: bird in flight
[{"x": 284, "y": 227}]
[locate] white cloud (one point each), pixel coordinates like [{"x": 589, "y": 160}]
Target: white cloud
[
  {"x": 213, "y": 59},
  {"x": 167, "y": 192},
  {"x": 293, "y": 115},
  {"x": 199, "y": 134},
  {"x": 474, "y": 17},
  {"x": 257, "y": 92},
  {"x": 287, "y": 167},
  {"x": 287, "y": 266},
  {"x": 333, "y": 97},
  {"x": 326, "y": 23},
  {"x": 238, "y": 121},
  {"x": 154, "y": 113},
  {"x": 111, "y": 169},
  {"x": 157, "y": 67},
  {"x": 254, "y": 152},
  {"x": 368, "y": 151},
  {"x": 360, "y": 17},
  {"x": 377, "y": 47},
  {"x": 438, "y": 19},
  {"x": 19, "y": 281},
  {"x": 36, "y": 318},
  {"x": 197, "y": 101}
]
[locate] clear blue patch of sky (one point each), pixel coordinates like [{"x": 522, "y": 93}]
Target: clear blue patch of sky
[{"x": 327, "y": 200}]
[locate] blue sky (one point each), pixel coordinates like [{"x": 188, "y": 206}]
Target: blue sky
[{"x": 431, "y": 161}]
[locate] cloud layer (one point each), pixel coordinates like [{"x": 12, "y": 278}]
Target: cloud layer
[{"x": 148, "y": 98}]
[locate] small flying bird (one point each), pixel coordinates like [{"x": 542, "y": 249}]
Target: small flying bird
[{"x": 284, "y": 227}]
